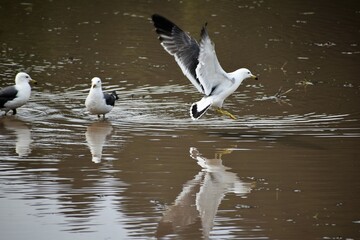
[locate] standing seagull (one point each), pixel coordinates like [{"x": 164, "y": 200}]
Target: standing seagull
[
  {"x": 15, "y": 96},
  {"x": 98, "y": 102},
  {"x": 200, "y": 65}
]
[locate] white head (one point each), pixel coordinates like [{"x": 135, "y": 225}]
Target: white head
[
  {"x": 244, "y": 73},
  {"x": 96, "y": 83},
  {"x": 22, "y": 78}
]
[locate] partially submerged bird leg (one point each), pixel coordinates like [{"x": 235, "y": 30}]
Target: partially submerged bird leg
[
  {"x": 103, "y": 116},
  {"x": 224, "y": 112},
  {"x": 13, "y": 110}
]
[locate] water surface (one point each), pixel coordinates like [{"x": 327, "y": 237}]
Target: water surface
[{"x": 287, "y": 168}]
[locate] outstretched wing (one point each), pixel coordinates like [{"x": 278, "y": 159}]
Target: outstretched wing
[
  {"x": 209, "y": 72},
  {"x": 181, "y": 45}
]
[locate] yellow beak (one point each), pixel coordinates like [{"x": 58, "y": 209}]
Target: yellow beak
[
  {"x": 33, "y": 81},
  {"x": 254, "y": 77}
]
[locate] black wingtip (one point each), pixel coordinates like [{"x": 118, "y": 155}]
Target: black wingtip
[
  {"x": 204, "y": 32},
  {"x": 113, "y": 93},
  {"x": 157, "y": 17},
  {"x": 162, "y": 24}
]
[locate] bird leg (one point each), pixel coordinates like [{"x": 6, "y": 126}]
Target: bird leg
[
  {"x": 14, "y": 111},
  {"x": 103, "y": 116},
  {"x": 226, "y": 113}
]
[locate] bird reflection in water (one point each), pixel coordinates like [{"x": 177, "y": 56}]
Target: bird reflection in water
[
  {"x": 22, "y": 133},
  {"x": 201, "y": 196},
  {"x": 96, "y": 134}
]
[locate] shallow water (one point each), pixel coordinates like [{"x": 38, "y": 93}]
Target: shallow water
[{"x": 288, "y": 168}]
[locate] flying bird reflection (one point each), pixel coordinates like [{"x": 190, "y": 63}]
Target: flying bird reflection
[
  {"x": 96, "y": 134},
  {"x": 201, "y": 196}
]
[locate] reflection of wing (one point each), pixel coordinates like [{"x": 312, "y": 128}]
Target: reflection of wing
[
  {"x": 217, "y": 182},
  {"x": 214, "y": 187},
  {"x": 96, "y": 135},
  {"x": 229, "y": 181},
  {"x": 208, "y": 200},
  {"x": 183, "y": 212},
  {"x": 201, "y": 196},
  {"x": 23, "y": 135}
]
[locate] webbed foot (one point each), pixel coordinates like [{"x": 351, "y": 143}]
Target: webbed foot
[{"x": 226, "y": 113}]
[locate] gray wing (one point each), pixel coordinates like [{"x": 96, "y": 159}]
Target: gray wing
[
  {"x": 181, "y": 45},
  {"x": 7, "y": 94},
  {"x": 209, "y": 71},
  {"x": 109, "y": 99}
]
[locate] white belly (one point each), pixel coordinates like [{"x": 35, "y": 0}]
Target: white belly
[
  {"x": 22, "y": 97},
  {"x": 96, "y": 104}
]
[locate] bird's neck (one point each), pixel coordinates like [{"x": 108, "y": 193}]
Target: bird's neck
[
  {"x": 237, "y": 77},
  {"x": 23, "y": 86},
  {"x": 96, "y": 91}
]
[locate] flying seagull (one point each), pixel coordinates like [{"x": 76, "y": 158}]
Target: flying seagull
[
  {"x": 12, "y": 97},
  {"x": 199, "y": 63},
  {"x": 99, "y": 102}
]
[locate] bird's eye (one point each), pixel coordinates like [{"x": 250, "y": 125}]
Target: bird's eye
[{"x": 248, "y": 72}]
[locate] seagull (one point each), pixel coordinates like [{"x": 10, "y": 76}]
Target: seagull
[
  {"x": 12, "y": 97},
  {"x": 99, "y": 102},
  {"x": 199, "y": 63}
]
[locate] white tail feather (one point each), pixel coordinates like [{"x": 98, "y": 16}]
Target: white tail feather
[{"x": 199, "y": 108}]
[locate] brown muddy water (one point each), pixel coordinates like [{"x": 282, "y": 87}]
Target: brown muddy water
[{"x": 288, "y": 168}]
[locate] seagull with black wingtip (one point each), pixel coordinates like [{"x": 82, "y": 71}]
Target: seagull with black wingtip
[
  {"x": 199, "y": 63},
  {"x": 99, "y": 102},
  {"x": 13, "y": 97}
]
